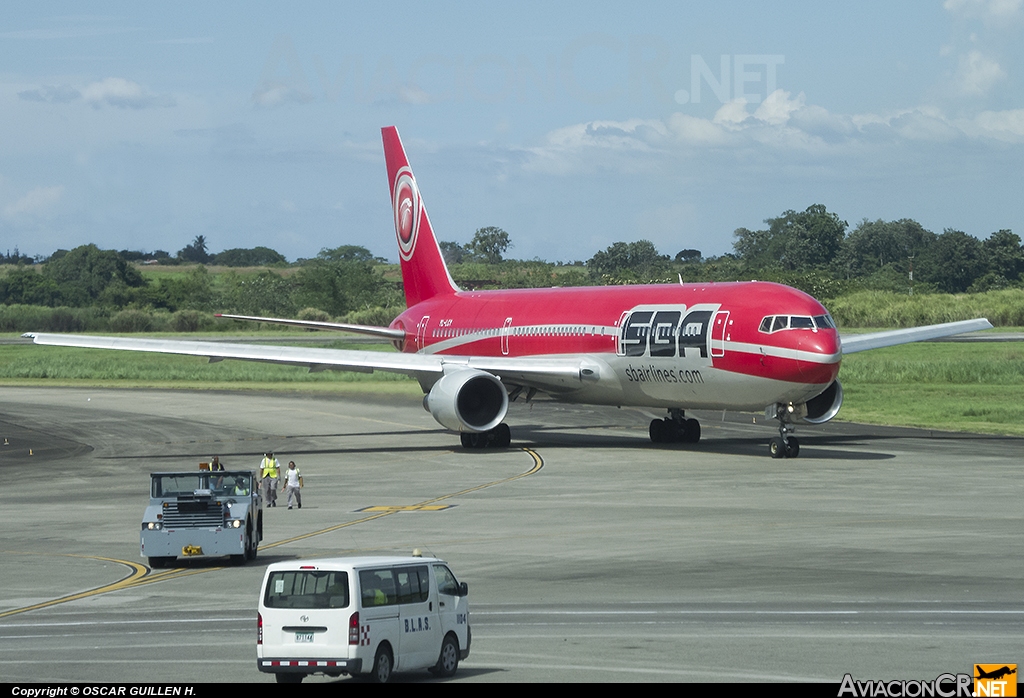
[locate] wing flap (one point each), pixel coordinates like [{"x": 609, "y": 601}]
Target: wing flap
[{"x": 876, "y": 340}]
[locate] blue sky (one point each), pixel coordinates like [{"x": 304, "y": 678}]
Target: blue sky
[{"x": 571, "y": 127}]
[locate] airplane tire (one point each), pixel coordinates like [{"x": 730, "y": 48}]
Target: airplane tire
[
  {"x": 777, "y": 447},
  {"x": 659, "y": 431},
  {"x": 691, "y": 431},
  {"x": 502, "y": 436}
]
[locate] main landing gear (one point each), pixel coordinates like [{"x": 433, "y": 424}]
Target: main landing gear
[
  {"x": 784, "y": 445},
  {"x": 675, "y": 429},
  {"x": 498, "y": 437}
]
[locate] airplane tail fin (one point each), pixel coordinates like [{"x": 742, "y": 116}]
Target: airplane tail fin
[{"x": 424, "y": 274}]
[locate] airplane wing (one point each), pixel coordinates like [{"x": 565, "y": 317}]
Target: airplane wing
[
  {"x": 853, "y": 343},
  {"x": 549, "y": 374}
]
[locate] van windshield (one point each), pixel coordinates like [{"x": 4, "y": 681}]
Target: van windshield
[{"x": 307, "y": 589}]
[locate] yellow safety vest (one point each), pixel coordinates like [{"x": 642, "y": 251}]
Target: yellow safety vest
[{"x": 270, "y": 468}]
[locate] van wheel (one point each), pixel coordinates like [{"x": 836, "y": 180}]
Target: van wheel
[
  {"x": 448, "y": 660},
  {"x": 158, "y": 562},
  {"x": 381, "y": 665}
]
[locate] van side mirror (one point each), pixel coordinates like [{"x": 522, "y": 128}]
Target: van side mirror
[{"x": 463, "y": 589}]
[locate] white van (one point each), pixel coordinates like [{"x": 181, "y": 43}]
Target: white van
[{"x": 361, "y": 615}]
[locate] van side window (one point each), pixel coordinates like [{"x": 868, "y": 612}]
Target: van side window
[
  {"x": 378, "y": 587},
  {"x": 413, "y": 584},
  {"x": 307, "y": 589},
  {"x": 446, "y": 582}
]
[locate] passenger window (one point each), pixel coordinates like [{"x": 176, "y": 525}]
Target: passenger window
[
  {"x": 413, "y": 584},
  {"x": 307, "y": 589},
  {"x": 378, "y": 588}
]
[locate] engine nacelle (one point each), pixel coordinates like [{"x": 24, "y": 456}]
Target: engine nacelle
[
  {"x": 817, "y": 410},
  {"x": 468, "y": 400}
]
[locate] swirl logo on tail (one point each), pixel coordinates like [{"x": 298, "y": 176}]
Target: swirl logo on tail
[{"x": 408, "y": 209}]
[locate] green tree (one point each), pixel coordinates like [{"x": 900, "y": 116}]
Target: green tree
[
  {"x": 453, "y": 252},
  {"x": 489, "y": 244},
  {"x": 635, "y": 260},
  {"x": 793, "y": 241},
  {"x": 196, "y": 252},
  {"x": 84, "y": 273},
  {"x": 1003, "y": 255},
  {"x": 245, "y": 257},
  {"x": 26, "y": 286},
  {"x": 346, "y": 253},
  {"x": 337, "y": 287},
  {"x": 953, "y": 262},
  {"x": 878, "y": 245}
]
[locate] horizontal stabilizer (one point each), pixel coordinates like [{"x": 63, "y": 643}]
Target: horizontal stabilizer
[{"x": 373, "y": 331}]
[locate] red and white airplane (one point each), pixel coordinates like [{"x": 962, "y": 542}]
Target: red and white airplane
[{"x": 746, "y": 346}]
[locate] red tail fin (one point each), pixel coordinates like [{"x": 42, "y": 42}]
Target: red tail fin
[{"x": 424, "y": 273}]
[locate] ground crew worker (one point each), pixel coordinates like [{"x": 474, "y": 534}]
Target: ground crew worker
[
  {"x": 292, "y": 484},
  {"x": 270, "y": 477}
]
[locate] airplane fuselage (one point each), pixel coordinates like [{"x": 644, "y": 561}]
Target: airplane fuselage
[{"x": 702, "y": 346}]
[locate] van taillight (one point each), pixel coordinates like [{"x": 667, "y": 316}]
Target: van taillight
[
  {"x": 259, "y": 628},
  {"x": 353, "y": 629}
]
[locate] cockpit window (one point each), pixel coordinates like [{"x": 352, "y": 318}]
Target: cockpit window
[
  {"x": 824, "y": 321},
  {"x": 775, "y": 323}
]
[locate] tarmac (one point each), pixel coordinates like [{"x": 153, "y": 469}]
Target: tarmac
[{"x": 591, "y": 554}]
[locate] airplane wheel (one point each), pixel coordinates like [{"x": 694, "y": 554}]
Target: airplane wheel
[
  {"x": 691, "y": 431},
  {"x": 658, "y": 431},
  {"x": 777, "y": 447},
  {"x": 792, "y": 447}
]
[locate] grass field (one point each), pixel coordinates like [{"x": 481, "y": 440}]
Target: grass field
[{"x": 974, "y": 387}]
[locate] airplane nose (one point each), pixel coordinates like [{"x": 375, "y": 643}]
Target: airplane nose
[{"x": 824, "y": 343}]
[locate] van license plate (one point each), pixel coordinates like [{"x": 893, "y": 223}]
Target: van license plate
[{"x": 303, "y": 637}]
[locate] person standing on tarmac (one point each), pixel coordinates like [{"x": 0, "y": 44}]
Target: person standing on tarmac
[
  {"x": 270, "y": 478},
  {"x": 292, "y": 484}
]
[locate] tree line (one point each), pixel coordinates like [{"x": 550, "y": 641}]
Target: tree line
[{"x": 812, "y": 249}]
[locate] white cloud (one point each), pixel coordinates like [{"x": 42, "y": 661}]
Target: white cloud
[
  {"x": 731, "y": 114},
  {"x": 124, "y": 94},
  {"x": 1001, "y": 125},
  {"x": 780, "y": 125},
  {"x": 778, "y": 107},
  {"x": 977, "y": 74},
  {"x": 36, "y": 202}
]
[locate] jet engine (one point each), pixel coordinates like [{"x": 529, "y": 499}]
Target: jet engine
[
  {"x": 817, "y": 410},
  {"x": 468, "y": 400}
]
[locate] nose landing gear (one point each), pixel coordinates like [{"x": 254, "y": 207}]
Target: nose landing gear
[{"x": 784, "y": 445}]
